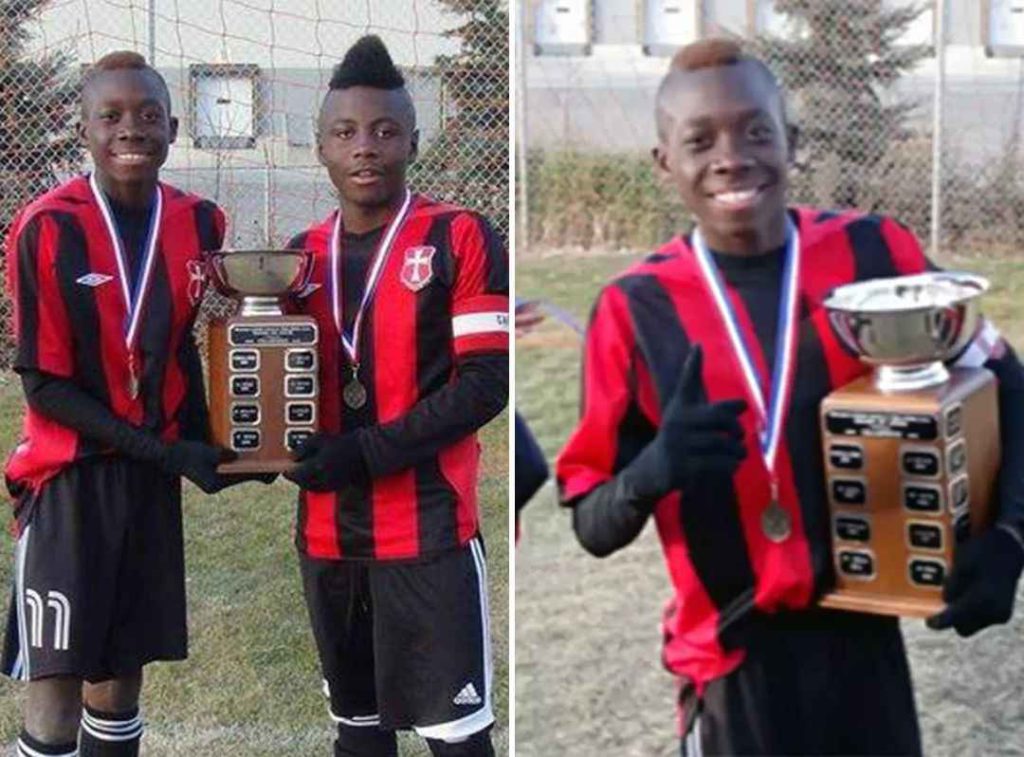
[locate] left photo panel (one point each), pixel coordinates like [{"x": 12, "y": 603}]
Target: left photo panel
[{"x": 254, "y": 370}]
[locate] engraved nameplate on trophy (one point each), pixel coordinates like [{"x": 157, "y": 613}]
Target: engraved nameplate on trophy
[
  {"x": 911, "y": 451},
  {"x": 263, "y": 365}
]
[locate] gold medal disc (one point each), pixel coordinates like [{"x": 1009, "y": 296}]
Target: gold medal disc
[{"x": 776, "y": 523}]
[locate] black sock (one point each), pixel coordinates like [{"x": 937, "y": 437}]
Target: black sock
[
  {"x": 110, "y": 734},
  {"x": 477, "y": 745},
  {"x": 29, "y": 746},
  {"x": 365, "y": 741}
]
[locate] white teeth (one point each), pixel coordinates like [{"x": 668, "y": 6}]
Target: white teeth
[
  {"x": 132, "y": 158},
  {"x": 737, "y": 198}
]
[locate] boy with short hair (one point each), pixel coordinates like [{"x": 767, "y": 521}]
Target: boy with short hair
[
  {"x": 670, "y": 427},
  {"x": 105, "y": 275}
]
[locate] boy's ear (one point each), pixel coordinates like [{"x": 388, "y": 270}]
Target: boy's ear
[
  {"x": 792, "y": 141},
  {"x": 660, "y": 156},
  {"x": 414, "y": 145}
]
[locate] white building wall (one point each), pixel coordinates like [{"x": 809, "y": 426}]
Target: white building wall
[{"x": 269, "y": 33}]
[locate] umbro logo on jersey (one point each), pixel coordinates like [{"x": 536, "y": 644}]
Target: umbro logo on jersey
[
  {"x": 93, "y": 279},
  {"x": 467, "y": 696}
]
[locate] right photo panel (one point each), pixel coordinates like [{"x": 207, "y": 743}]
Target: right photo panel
[{"x": 769, "y": 449}]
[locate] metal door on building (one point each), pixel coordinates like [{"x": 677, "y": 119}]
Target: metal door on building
[
  {"x": 669, "y": 24},
  {"x": 562, "y": 27},
  {"x": 1004, "y": 27}
]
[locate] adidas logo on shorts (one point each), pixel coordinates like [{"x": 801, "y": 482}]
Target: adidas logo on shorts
[{"x": 467, "y": 696}]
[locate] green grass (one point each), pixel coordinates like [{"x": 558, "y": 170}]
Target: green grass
[{"x": 251, "y": 684}]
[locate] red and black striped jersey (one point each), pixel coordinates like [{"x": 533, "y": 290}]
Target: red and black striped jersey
[
  {"x": 721, "y": 564},
  {"x": 441, "y": 301},
  {"x": 70, "y": 317}
]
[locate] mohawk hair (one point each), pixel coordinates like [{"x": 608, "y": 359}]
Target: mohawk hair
[
  {"x": 367, "y": 64},
  {"x": 709, "y": 53},
  {"x": 703, "y": 54},
  {"x": 714, "y": 52},
  {"x": 123, "y": 60}
]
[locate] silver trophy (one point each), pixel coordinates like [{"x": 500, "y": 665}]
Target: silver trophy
[
  {"x": 907, "y": 326},
  {"x": 911, "y": 451},
  {"x": 263, "y": 364}
]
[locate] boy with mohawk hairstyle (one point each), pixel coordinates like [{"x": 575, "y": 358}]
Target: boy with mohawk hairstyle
[
  {"x": 738, "y": 493},
  {"x": 102, "y": 272},
  {"x": 411, "y": 296}
]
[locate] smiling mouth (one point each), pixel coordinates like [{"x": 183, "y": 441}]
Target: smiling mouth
[
  {"x": 738, "y": 199},
  {"x": 133, "y": 158}
]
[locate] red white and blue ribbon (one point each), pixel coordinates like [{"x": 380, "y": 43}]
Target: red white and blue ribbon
[
  {"x": 771, "y": 412},
  {"x": 133, "y": 301},
  {"x": 350, "y": 342}
]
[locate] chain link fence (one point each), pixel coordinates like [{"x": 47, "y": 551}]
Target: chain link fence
[
  {"x": 246, "y": 80},
  {"x": 863, "y": 79}
]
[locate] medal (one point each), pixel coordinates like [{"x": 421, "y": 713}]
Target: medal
[
  {"x": 134, "y": 385},
  {"x": 354, "y": 393},
  {"x": 133, "y": 301},
  {"x": 776, "y": 522}
]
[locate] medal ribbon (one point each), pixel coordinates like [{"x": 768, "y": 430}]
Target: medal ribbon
[
  {"x": 351, "y": 342},
  {"x": 133, "y": 304},
  {"x": 771, "y": 417}
]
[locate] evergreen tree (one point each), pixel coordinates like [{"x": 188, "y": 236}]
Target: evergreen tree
[
  {"x": 838, "y": 65},
  {"x": 38, "y": 110},
  {"x": 468, "y": 161}
]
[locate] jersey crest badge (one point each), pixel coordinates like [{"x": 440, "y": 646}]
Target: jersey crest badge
[
  {"x": 196, "y": 281},
  {"x": 417, "y": 269}
]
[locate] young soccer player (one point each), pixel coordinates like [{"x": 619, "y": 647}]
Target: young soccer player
[
  {"x": 411, "y": 296},
  {"x": 104, "y": 273},
  {"x": 670, "y": 428}
]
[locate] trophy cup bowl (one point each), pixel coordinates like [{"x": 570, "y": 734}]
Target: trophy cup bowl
[
  {"x": 911, "y": 451},
  {"x": 907, "y": 326},
  {"x": 259, "y": 276},
  {"x": 263, "y": 363}
]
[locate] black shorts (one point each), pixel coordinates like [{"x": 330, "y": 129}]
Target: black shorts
[
  {"x": 99, "y": 580},
  {"x": 404, "y": 644},
  {"x": 816, "y": 682}
]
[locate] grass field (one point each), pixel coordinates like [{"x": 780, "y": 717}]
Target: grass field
[
  {"x": 588, "y": 677},
  {"x": 251, "y": 685}
]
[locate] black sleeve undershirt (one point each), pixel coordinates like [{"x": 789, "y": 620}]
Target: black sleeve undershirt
[
  {"x": 63, "y": 401},
  {"x": 613, "y": 515},
  {"x": 477, "y": 394}
]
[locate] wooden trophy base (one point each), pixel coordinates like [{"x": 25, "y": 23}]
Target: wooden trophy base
[
  {"x": 909, "y": 474},
  {"x": 264, "y": 389}
]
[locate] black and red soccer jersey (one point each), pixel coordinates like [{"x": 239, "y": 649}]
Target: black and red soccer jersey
[
  {"x": 70, "y": 317},
  {"x": 721, "y": 563},
  {"x": 440, "y": 303}
]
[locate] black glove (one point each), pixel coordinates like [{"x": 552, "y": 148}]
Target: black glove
[
  {"x": 230, "y": 479},
  {"x": 327, "y": 462},
  {"x": 695, "y": 438},
  {"x": 197, "y": 462},
  {"x": 981, "y": 589}
]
